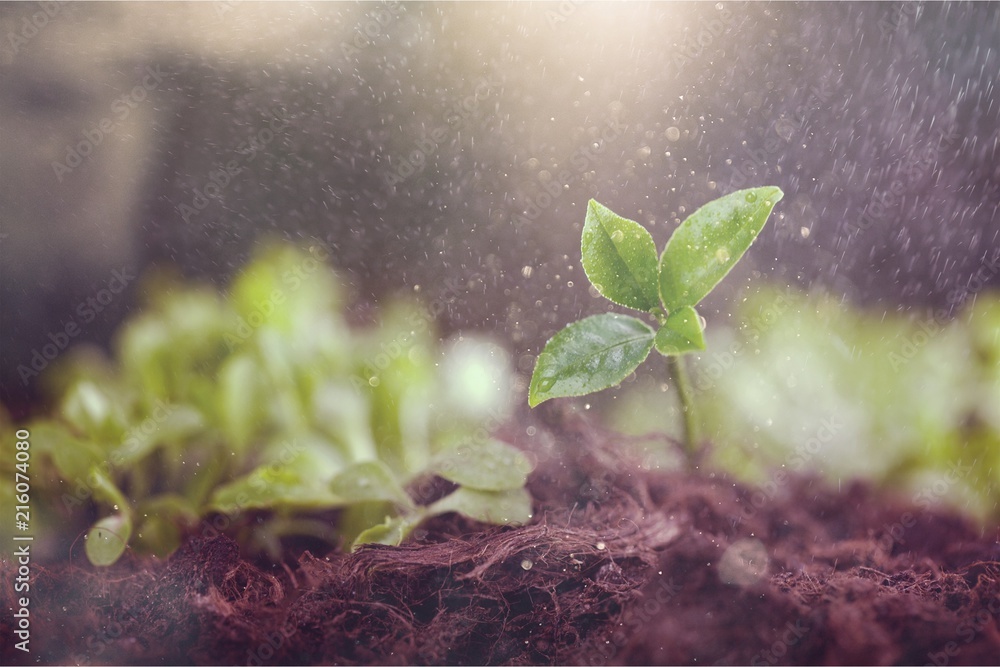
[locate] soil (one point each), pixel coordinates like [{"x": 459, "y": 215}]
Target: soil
[{"x": 621, "y": 565}]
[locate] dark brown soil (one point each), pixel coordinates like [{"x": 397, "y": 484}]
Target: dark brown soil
[{"x": 621, "y": 566}]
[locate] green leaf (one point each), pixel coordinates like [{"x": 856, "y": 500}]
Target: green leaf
[
  {"x": 680, "y": 333},
  {"x": 619, "y": 257},
  {"x": 369, "y": 480},
  {"x": 393, "y": 531},
  {"x": 490, "y": 466},
  {"x": 587, "y": 356},
  {"x": 107, "y": 539},
  {"x": 709, "y": 243},
  {"x": 271, "y": 486},
  {"x": 500, "y": 507},
  {"x": 238, "y": 407}
]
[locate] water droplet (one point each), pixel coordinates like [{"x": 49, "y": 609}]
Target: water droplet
[
  {"x": 702, "y": 321},
  {"x": 751, "y": 197},
  {"x": 373, "y": 381},
  {"x": 617, "y": 236},
  {"x": 601, "y": 546},
  {"x": 545, "y": 384},
  {"x": 722, "y": 255},
  {"x": 527, "y": 271},
  {"x": 673, "y": 134},
  {"x": 805, "y": 232},
  {"x": 526, "y": 564}
]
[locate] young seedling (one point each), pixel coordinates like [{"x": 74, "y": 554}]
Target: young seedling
[{"x": 619, "y": 258}]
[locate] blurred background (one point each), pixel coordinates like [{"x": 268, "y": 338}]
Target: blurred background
[{"x": 448, "y": 151}]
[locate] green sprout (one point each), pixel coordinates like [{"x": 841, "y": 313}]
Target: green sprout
[
  {"x": 619, "y": 258},
  {"x": 258, "y": 412}
]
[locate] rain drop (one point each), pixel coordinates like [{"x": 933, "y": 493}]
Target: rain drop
[
  {"x": 617, "y": 236},
  {"x": 673, "y": 134},
  {"x": 751, "y": 197},
  {"x": 526, "y": 564},
  {"x": 722, "y": 255},
  {"x": 601, "y": 546}
]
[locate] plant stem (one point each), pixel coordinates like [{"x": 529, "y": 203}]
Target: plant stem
[{"x": 679, "y": 371}]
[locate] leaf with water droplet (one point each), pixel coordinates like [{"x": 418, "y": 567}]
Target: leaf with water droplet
[
  {"x": 619, "y": 257},
  {"x": 587, "y": 356},
  {"x": 709, "y": 243},
  {"x": 107, "y": 539},
  {"x": 490, "y": 465},
  {"x": 681, "y": 332}
]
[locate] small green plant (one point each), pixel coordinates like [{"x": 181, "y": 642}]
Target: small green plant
[
  {"x": 619, "y": 258},
  {"x": 256, "y": 412}
]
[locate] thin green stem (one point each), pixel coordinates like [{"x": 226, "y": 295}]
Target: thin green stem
[{"x": 679, "y": 372}]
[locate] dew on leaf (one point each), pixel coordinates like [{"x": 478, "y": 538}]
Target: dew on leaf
[
  {"x": 617, "y": 236},
  {"x": 546, "y": 384},
  {"x": 751, "y": 198}
]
